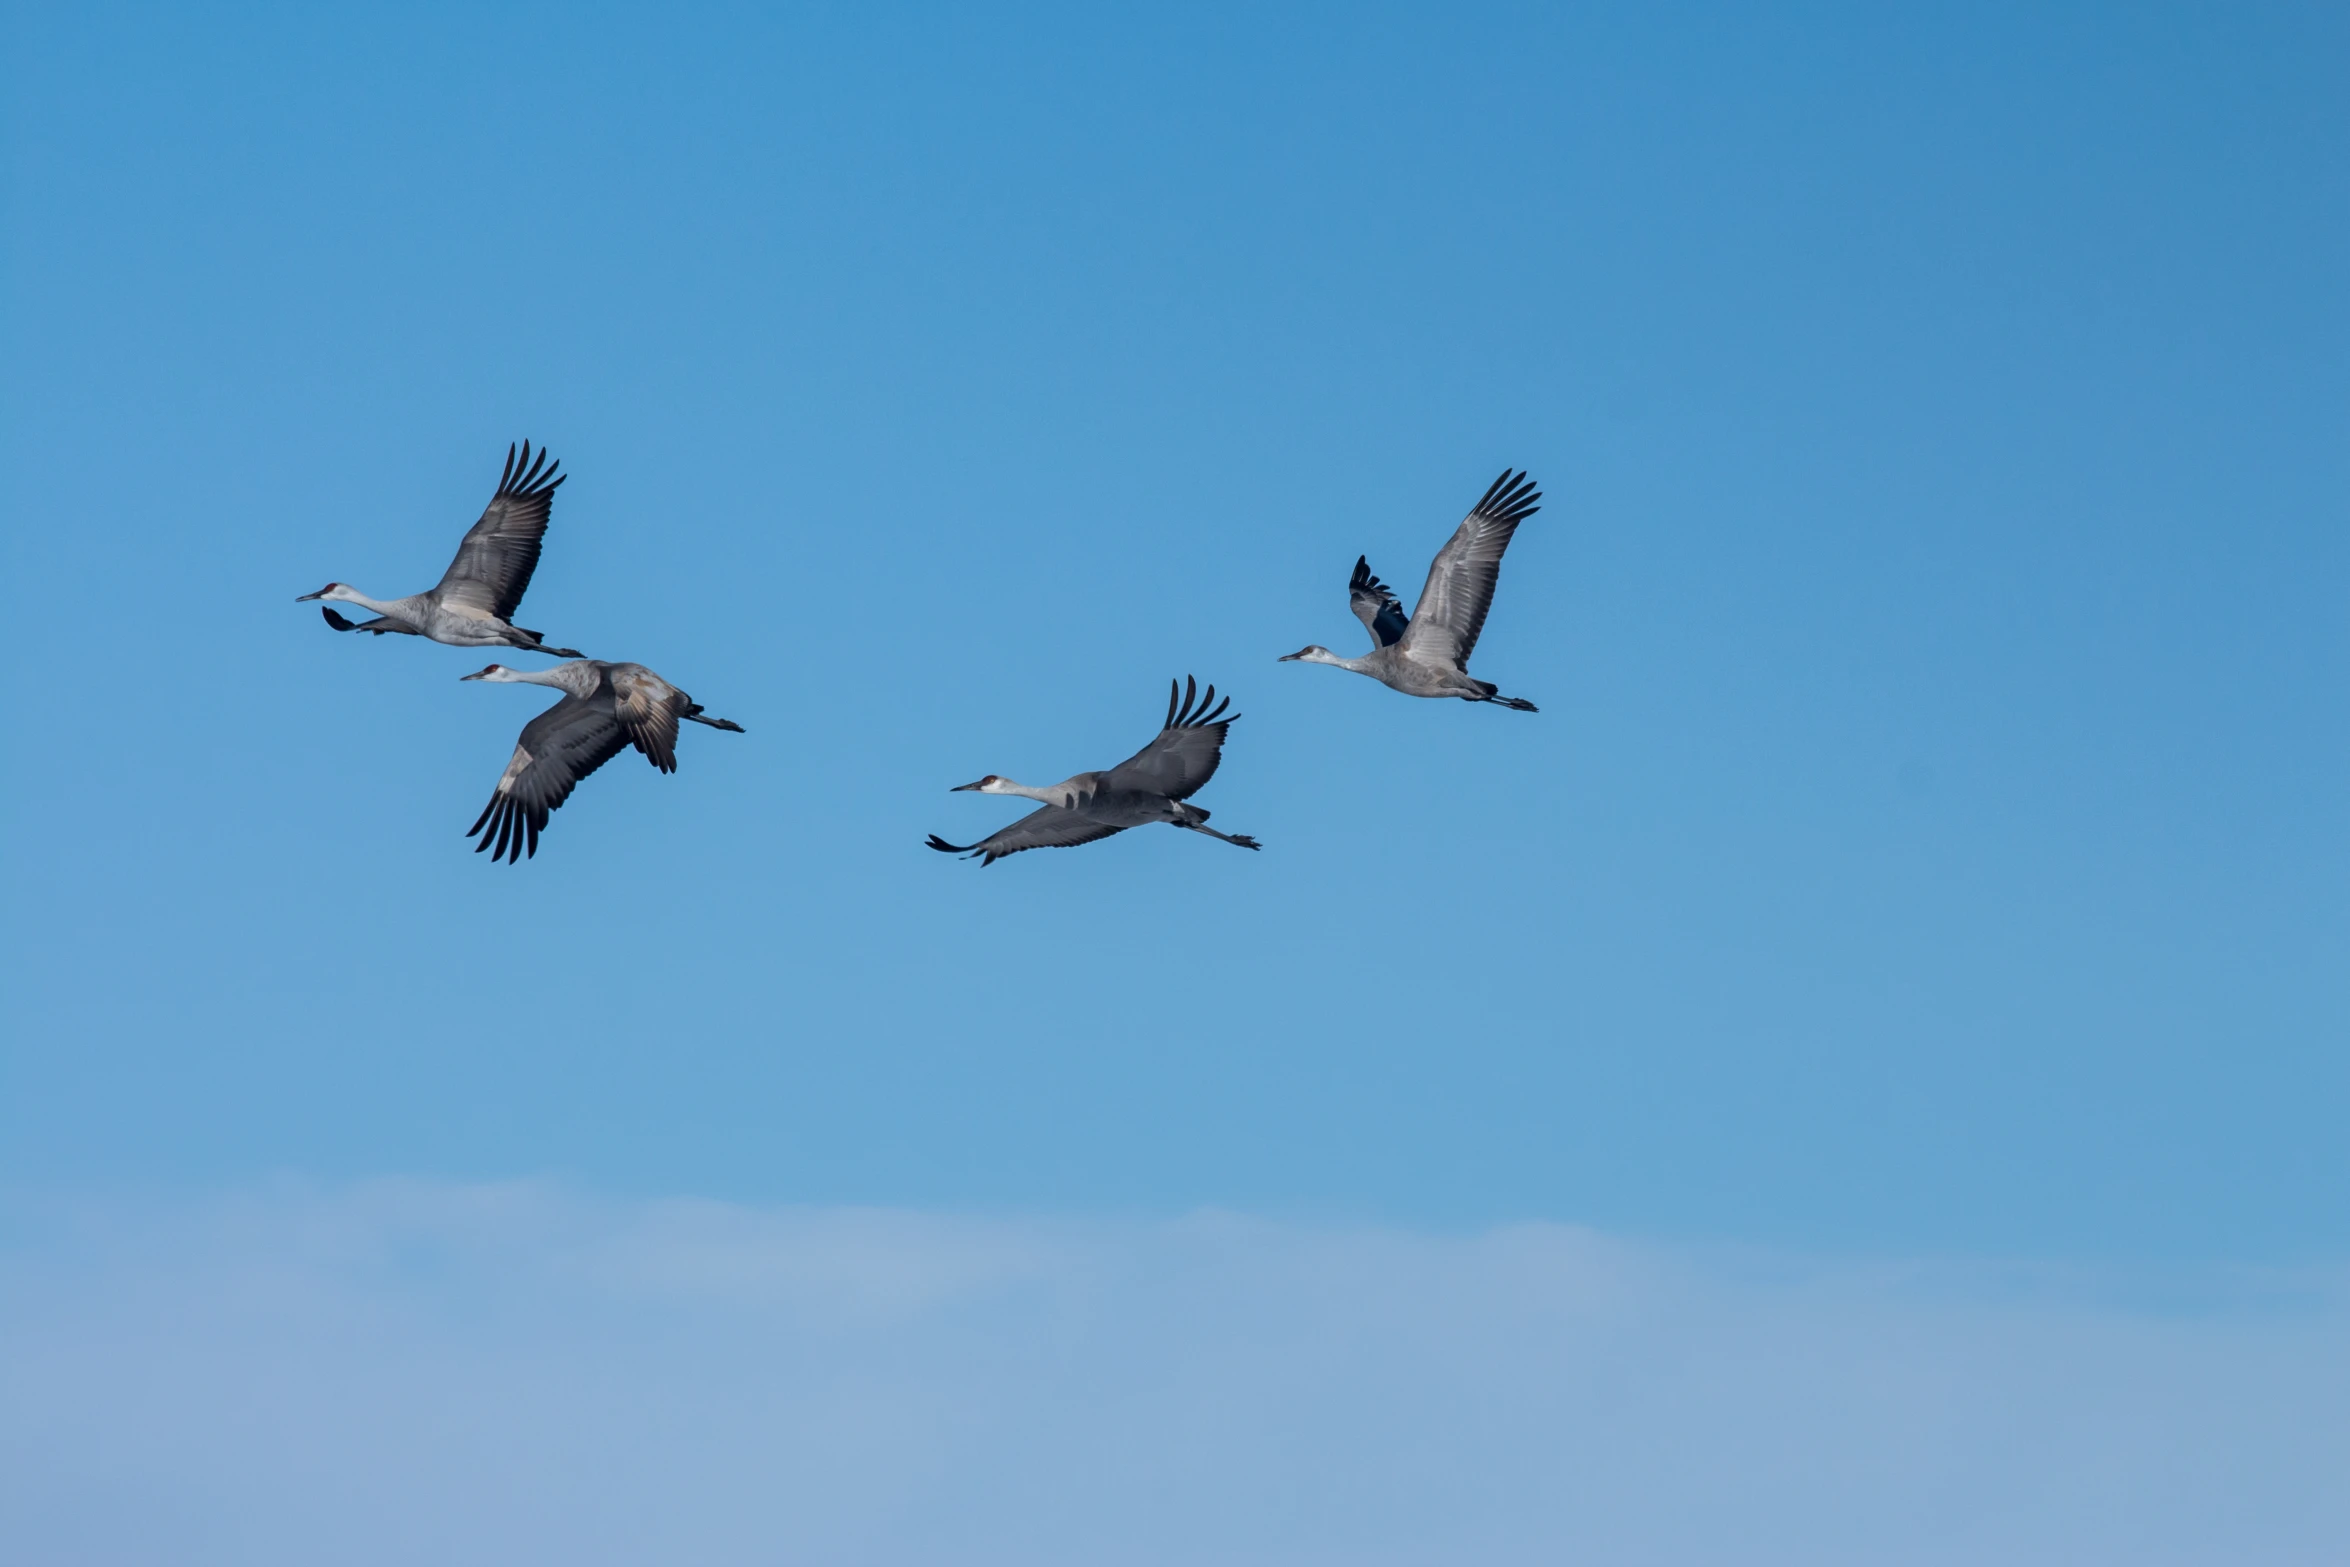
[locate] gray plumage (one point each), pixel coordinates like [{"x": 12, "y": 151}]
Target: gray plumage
[
  {"x": 1152, "y": 785},
  {"x": 1428, "y": 654},
  {"x": 474, "y": 603},
  {"x": 605, "y": 709}
]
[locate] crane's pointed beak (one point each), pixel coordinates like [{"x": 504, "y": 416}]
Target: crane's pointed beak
[
  {"x": 307, "y": 597},
  {"x": 963, "y": 788},
  {"x": 1289, "y": 658}
]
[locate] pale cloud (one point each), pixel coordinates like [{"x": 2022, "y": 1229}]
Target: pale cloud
[{"x": 407, "y": 1372}]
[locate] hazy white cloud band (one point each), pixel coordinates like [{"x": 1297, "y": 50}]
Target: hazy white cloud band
[{"x": 407, "y": 1373}]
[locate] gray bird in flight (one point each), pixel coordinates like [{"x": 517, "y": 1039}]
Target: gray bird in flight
[
  {"x": 1428, "y": 654},
  {"x": 1155, "y": 784},
  {"x": 474, "y": 602},
  {"x": 606, "y": 708}
]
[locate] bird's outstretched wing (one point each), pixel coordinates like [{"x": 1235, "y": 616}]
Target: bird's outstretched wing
[
  {"x": 1452, "y": 606},
  {"x": 1375, "y": 605},
  {"x": 558, "y": 748},
  {"x": 493, "y": 566},
  {"x": 1183, "y": 756},
  {"x": 648, "y": 708},
  {"x": 380, "y": 625},
  {"x": 1049, "y": 828}
]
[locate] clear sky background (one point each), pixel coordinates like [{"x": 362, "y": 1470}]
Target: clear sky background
[{"x": 1932, "y": 842}]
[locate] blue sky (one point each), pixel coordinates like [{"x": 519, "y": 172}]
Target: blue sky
[
  {"x": 404, "y": 1371},
  {"x": 1931, "y": 843}
]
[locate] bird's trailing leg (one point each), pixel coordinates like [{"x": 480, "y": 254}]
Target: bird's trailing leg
[
  {"x": 538, "y": 644},
  {"x": 715, "y": 723},
  {"x": 1243, "y": 840},
  {"x": 1516, "y": 704}
]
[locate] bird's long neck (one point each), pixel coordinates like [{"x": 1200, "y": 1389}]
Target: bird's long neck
[
  {"x": 1063, "y": 793},
  {"x": 573, "y": 679},
  {"x": 390, "y": 607},
  {"x": 1360, "y": 666}
]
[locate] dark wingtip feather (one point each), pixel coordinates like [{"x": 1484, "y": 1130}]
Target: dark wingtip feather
[
  {"x": 944, "y": 847},
  {"x": 1510, "y": 498},
  {"x": 488, "y": 828},
  {"x": 528, "y": 475},
  {"x": 337, "y": 621}
]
